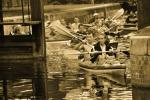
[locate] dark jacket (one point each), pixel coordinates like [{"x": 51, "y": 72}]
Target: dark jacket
[{"x": 98, "y": 48}]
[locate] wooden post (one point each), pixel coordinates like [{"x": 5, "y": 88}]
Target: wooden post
[
  {"x": 143, "y": 13},
  {"x": 40, "y": 82},
  {"x": 38, "y": 34},
  {"x": 141, "y": 93},
  {"x": 140, "y": 54},
  {"x": 92, "y": 1},
  {"x": 38, "y": 31},
  {"x": 5, "y": 89},
  {"x": 140, "y": 64},
  {"x": 1, "y": 18}
]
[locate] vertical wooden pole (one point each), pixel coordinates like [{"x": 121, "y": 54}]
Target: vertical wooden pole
[
  {"x": 5, "y": 92},
  {"x": 38, "y": 31},
  {"x": 143, "y": 13},
  {"x": 38, "y": 34},
  {"x": 140, "y": 58},
  {"x": 22, "y": 9},
  {"x": 1, "y": 18},
  {"x": 141, "y": 93},
  {"x": 92, "y": 1},
  {"x": 140, "y": 62},
  {"x": 40, "y": 81}
]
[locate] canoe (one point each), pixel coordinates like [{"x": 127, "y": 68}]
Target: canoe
[
  {"x": 101, "y": 67},
  {"x": 113, "y": 73}
]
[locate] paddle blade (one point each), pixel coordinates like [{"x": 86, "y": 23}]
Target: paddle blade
[
  {"x": 118, "y": 14},
  {"x": 60, "y": 29}
]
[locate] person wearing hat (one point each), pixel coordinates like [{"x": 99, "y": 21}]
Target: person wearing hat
[{"x": 95, "y": 16}]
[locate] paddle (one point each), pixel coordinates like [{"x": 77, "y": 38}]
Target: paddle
[
  {"x": 118, "y": 14},
  {"x": 96, "y": 52},
  {"x": 60, "y": 28}
]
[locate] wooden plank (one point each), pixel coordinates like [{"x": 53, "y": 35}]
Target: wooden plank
[
  {"x": 21, "y": 57},
  {"x": 21, "y": 23},
  {"x": 16, "y": 38},
  {"x": 130, "y": 29},
  {"x": 61, "y": 8},
  {"x": 5, "y": 44}
]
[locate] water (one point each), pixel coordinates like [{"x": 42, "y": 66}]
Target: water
[
  {"x": 72, "y": 87},
  {"x": 69, "y": 82}
]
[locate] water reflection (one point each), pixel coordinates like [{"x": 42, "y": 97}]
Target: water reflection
[
  {"x": 22, "y": 79},
  {"x": 72, "y": 87},
  {"x": 26, "y": 80}
]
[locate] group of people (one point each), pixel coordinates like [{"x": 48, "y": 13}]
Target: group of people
[{"x": 91, "y": 37}]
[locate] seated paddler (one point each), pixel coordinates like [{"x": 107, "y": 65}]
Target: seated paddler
[{"x": 102, "y": 49}]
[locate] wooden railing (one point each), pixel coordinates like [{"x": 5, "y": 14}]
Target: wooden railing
[{"x": 83, "y": 11}]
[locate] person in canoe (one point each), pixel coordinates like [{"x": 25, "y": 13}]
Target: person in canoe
[
  {"x": 75, "y": 25},
  {"x": 17, "y": 30},
  {"x": 101, "y": 45},
  {"x": 82, "y": 31},
  {"x": 85, "y": 46}
]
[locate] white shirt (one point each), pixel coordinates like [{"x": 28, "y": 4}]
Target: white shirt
[
  {"x": 103, "y": 47},
  {"x": 75, "y": 27}
]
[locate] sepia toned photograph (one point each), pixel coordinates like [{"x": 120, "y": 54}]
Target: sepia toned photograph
[{"x": 74, "y": 50}]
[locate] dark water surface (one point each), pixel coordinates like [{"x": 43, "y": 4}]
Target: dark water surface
[
  {"x": 71, "y": 87},
  {"x": 68, "y": 82}
]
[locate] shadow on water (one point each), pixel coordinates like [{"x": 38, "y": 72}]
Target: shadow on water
[
  {"x": 26, "y": 79},
  {"x": 67, "y": 82},
  {"x": 71, "y": 86},
  {"x": 22, "y": 79}
]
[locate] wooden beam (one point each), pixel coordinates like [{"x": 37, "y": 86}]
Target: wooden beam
[{"x": 27, "y": 23}]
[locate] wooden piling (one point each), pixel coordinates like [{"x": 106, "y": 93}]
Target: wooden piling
[
  {"x": 24, "y": 56},
  {"x": 143, "y": 13},
  {"x": 140, "y": 64}
]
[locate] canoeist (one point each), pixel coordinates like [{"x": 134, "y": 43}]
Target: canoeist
[
  {"x": 86, "y": 46},
  {"x": 17, "y": 30},
  {"x": 95, "y": 16},
  {"x": 101, "y": 45},
  {"x": 99, "y": 25},
  {"x": 49, "y": 30},
  {"x": 75, "y": 25},
  {"x": 63, "y": 22},
  {"x": 50, "y": 20},
  {"x": 82, "y": 31}
]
